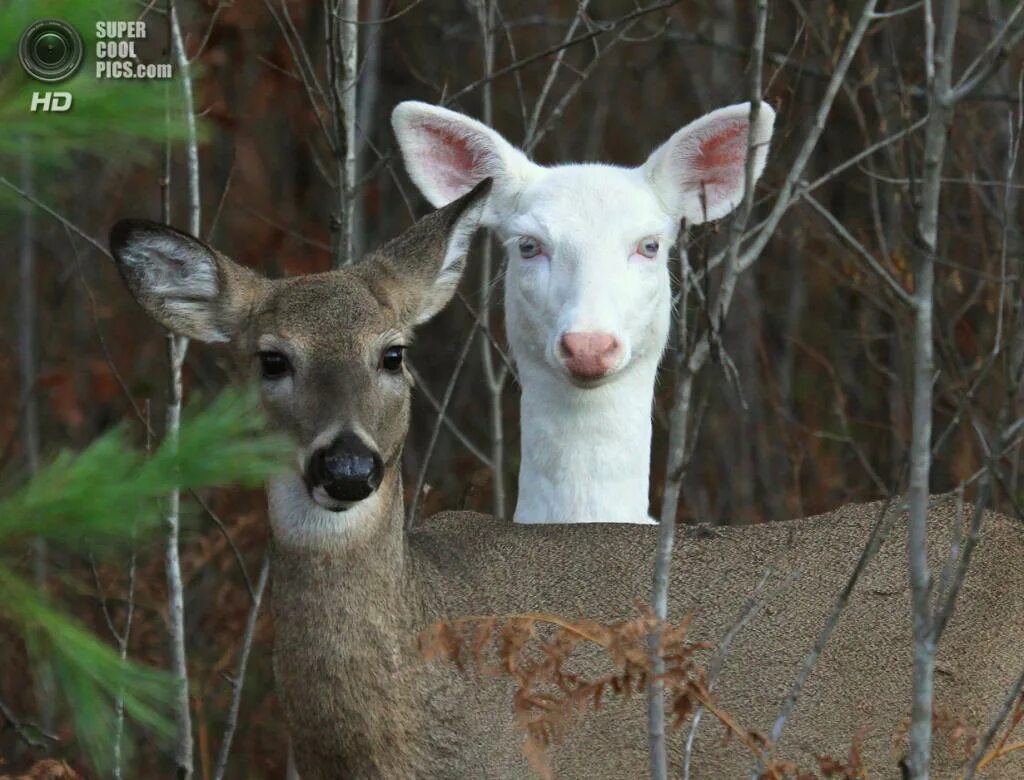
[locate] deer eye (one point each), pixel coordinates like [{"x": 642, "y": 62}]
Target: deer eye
[
  {"x": 391, "y": 358},
  {"x": 274, "y": 365},
  {"x": 529, "y": 247},
  {"x": 648, "y": 247}
]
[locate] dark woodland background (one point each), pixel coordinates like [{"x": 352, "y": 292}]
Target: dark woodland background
[{"x": 820, "y": 415}]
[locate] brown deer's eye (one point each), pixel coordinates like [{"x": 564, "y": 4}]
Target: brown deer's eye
[
  {"x": 391, "y": 359},
  {"x": 274, "y": 365}
]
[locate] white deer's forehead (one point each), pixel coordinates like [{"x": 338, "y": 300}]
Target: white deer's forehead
[{"x": 583, "y": 203}]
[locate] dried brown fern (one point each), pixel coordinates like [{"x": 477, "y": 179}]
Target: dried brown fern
[
  {"x": 1004, "y": 746},
  {"x": 535, "y": 649}
]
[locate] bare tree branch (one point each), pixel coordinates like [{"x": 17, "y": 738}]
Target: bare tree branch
[
  {"x": 421, "y": 481},
  {"x": 238, "y": 679},
  {"x": 529, "y": 60},
  {"x": 176, "y": 349},
  {"x": 666, "y": 534},
  {"x": 494, "y": 377},
  {"x": 938, "y": 66},
  {"x": 993, "y": 728},
  {"x": 342, "y": 80},
  {"x": 878, "y": 536}
]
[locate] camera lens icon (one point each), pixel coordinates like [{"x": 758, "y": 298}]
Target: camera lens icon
[{"x": 50, "y": 50}]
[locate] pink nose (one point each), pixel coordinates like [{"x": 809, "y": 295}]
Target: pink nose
[{"x": 590, "y": 355}]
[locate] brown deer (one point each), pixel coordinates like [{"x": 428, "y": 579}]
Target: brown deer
[{"x": 353, "y": 590}]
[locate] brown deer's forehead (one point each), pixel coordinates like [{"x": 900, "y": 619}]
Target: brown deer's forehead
[{"x": 333, "y": 308}]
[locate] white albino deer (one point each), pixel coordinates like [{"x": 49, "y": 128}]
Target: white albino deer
[
  {"x": 587, "y": 294},
  {"x": 352, "y": 590}
]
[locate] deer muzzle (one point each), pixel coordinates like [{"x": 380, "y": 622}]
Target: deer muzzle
[{"x": 347, "y": 470}]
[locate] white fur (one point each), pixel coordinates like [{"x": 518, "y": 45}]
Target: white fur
[
  {"x": 585, "y": 449},
  {"x": 298, "y": 521}
]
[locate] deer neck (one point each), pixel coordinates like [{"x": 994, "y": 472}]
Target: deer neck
[
  {"x": 341, "y": 619},
  {"x": 585, "y": 452}
]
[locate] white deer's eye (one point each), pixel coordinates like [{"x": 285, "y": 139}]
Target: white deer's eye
[
  {"x": 529, "y": 247},
  {"x": 648, "y": 247}
]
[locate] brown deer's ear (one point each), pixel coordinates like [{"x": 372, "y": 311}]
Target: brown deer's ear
[
  {"x": 181, "y": 282},
  {"x": 419, "y": 270}
]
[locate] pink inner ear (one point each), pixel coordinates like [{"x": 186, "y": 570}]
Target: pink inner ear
[
  {"x": 452, "y": 160},
  {"x": 717, "y": 160}
]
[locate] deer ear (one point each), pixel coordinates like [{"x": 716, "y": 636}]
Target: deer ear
[
  {"x": 709, "y": 156},
  {"x": 419, "y": 270},
  {"x": 447, "y": 154},
  {"x": 181, "y": 282}
]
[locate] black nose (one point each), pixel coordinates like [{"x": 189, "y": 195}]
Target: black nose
[{"x": 347, "y": 470}]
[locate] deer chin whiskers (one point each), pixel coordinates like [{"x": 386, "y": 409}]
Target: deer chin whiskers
[{"x": 299, "y": 519}]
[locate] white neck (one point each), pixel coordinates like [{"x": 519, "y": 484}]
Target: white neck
[
  {"x": 586, "y": 453},
  {"x": 298, "y": 522}
]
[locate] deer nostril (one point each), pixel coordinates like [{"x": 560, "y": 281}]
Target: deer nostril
[
  {"x": 590, "y": 355},
  {"x": 347, "y": 470}
]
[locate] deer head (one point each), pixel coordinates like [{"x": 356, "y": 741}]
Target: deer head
[
  {"x": 327, "y": 349},
  {"x": 587, "y": 289}
]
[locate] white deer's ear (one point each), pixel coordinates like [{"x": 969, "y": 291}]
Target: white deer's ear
[
  {"x": 447, "y": 154},
  {"x": 181, "y": 282},
  {"x": 709, "y": 156}
]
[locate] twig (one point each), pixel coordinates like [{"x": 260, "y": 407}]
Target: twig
[
  {"x": 493, "y": 376},
  {"x": 895, "y": 287},
  {"x": 570, "y": 93},
  {"x": 991, "y": 59},
  {"x": 417, "y": 497},
  {"x": 450, "y": 424},
  {"x": 978, "y": 760},
  {"x": 24, "y": 729},
  {"x": 69, "y": 225},
  {"x": 786, "y": 193},
  {"x": 307, "y": 74},
  {"x": 754, "y": 603},
  {"x": 878, "y": 535},
  {"x": 534, "y": 119},
  {"x": 126, "y": 633},
  {"x": 228, "y": 538},
  {"x": 238, "y": 680},
  {"x": 962, "y": 559},
  {"x": 544, "y": 53}
]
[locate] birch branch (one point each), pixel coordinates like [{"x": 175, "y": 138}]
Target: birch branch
[
  {"x": 679, "y": 414},
  {"x": 176, "y": 349},
  {"x": 938, "y": 66},
  {"x": 342, "y": 78}
]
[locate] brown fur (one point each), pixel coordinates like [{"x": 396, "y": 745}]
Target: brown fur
[
  {"x": 374, "y": 709},
  {"x": 351, "y": 594}
]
